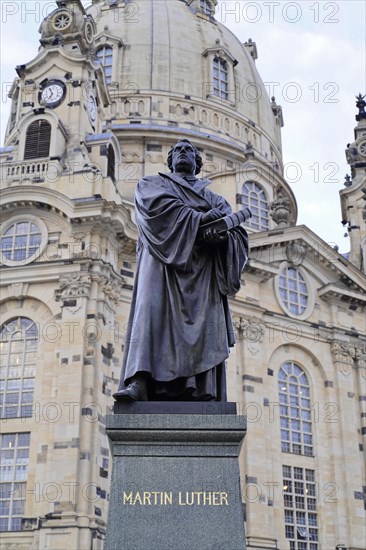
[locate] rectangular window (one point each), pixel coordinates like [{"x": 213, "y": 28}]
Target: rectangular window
[
  {"x": 206, "y": 7},
  {"x": 105, "y": 58},
  {"x": 221, "y": 79},
  {"x": 301, "y": 523},
  {"x": 14, "y": 451},
  {"x": 153, "y": 147}
]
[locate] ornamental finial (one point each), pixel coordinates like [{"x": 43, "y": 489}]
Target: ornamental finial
[{"x": 360, "y": 104}]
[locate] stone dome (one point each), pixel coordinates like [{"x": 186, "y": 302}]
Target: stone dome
[
  {"x": 174, "y": 71},
  {"x": 166, "y": 48}
]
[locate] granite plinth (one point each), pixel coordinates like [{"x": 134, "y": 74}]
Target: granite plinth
[
  {"x": 175, "y": 407},
  {"x": 175, "y": 482}
]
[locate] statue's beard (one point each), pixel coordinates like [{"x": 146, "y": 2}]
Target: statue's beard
[{"x": 184, "y": 165}]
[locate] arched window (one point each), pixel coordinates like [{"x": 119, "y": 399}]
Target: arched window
[
  {"x": 111, "y": 163},
  {"x": 18, "y": 349},
  {"x": 105, "y": 57},
  {"x": 295, "y": 411},
  {"x": 254, "y": 197},
  {"x": 293, "y": 290},
  {"x": 299, "y": 486},
  {"x": 220, "y": 78},
  {"x": 37, "y": 140}
]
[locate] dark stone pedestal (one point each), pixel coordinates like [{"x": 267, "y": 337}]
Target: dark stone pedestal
[{"x": 175, "y": 481}]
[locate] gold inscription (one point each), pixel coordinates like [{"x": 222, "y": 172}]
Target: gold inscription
[
  {"x": 205, "y": 498},
  {"x": 167, "y": 498},
  {"x": 148, "y": 498}
]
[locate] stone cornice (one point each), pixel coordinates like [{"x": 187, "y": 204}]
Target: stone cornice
[
  {"x": 36, "y": 272},
  {"x": 49, "y": 271},
  {"x": 58, "y": 53},
  {"x": 107, "y": 212},
  {"x": 330, "y": 291},
  {"x": 322, "y": 253},
  {"x": 261, "y": 269},
  {"x": 220, "y": 51},
  {"x": 325, "y": 333},
  {"x": 104, "y": 37},
  {"x": 78, "y": 211}
]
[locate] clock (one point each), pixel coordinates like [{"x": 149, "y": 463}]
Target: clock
[
  {"x": 53, "y": 93},
  {"x": 92, "y": 108}
]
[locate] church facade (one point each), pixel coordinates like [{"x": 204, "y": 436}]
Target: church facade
[{"x": 111, "y": 89}]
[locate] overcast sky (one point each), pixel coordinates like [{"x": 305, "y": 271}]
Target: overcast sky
[{"x": 311, "y": 56}]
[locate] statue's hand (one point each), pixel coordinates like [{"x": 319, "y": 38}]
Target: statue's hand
[
  {"x": 211, "y": 235},
  {"x": 212, "y": 215}
]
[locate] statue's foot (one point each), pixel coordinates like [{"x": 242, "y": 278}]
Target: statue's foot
[{"x": 136, "y": 391}]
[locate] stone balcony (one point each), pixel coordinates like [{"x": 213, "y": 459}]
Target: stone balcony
[{"x": 31, "y": 171}]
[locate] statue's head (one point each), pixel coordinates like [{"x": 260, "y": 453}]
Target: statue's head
[{"x": 185, "y": 158}]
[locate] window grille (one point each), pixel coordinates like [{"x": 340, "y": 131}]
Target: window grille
[
  {"x": 20, "y": 241},
  {"x": 14, "y": 451},
  {"x": 18, "y": 355},
  {"x": 207, "y": 7},
  {"x": 301, "y": 520},
  {"x": 220, "y": 78},
  {"x": 254, "y": 198},
  {"x": 293, "y": 290},
  {"x": 105, "y": 58},
  {"x": 295, "y": 410}
]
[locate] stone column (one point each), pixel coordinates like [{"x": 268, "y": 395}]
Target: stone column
[
  {"x": 345, "y": 438},
  {"x": 360, "y": 363}
]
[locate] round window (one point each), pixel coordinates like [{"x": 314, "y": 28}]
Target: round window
[
  {"x": 62, "y": 20},
  {"x": 89, "y": 32},
  {"x": 22, "y": 240}
]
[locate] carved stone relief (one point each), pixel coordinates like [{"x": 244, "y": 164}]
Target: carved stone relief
[
  {"x": 250, "y": 329},
  {"x": 360, "y": 361},
  {"x": 112, "y": 288},
  {"x": 73, "y": 285},
  {"x": 343, "y": 354}
]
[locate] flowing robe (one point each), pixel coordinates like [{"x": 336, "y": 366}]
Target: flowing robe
[{"x": 180, "y": 329}]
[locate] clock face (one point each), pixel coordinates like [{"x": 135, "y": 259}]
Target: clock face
[
  {"x": 92, "y": 108},
  {"x": 53, "y": 93}
]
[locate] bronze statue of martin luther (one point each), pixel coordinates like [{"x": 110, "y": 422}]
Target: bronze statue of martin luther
[{"x": 180, "y": 328}]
